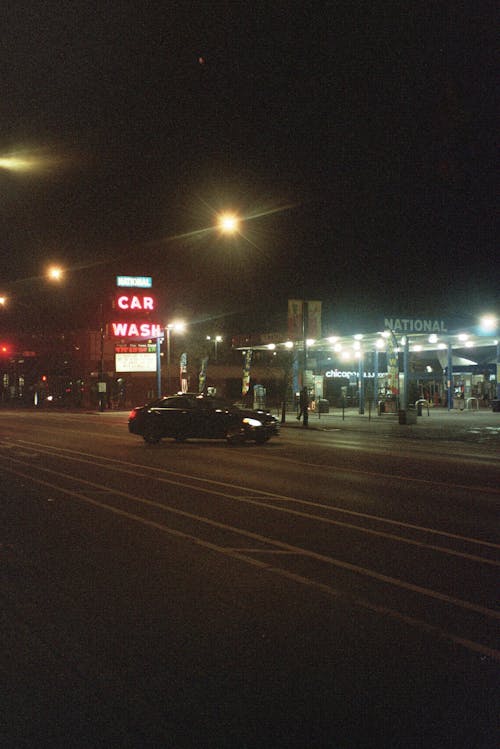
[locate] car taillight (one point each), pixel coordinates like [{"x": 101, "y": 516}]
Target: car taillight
[{"x": 132, "y": 414}]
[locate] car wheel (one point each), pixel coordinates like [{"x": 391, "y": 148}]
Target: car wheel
[
  {"x": 152, "y": 434},
  {"x": 260, "y": 439}
]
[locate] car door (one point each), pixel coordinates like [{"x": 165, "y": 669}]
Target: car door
[
  {"x": 170, "y": 411},
  {"x": 216, "y": 418}
]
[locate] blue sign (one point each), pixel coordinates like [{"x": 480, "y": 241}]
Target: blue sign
[{"x": 134, "y": 282}]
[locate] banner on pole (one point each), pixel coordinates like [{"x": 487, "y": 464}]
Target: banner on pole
[
  {"x": 245, "y": 384},
  {"x": 295, "y": 319},
  {"x": 392, "y": 364}
]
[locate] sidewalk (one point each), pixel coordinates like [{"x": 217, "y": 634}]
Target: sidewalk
[{"x": 474, "y": 426}]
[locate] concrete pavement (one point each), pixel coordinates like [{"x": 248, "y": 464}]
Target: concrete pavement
[{"x": 437, "y": 423}]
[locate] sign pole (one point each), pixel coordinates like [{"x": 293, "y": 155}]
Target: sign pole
[{"x": 158, "y": 366}]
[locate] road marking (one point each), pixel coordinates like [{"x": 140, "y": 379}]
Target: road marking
[
  {"x": 380, "y": 577},
  {"x": 361, "y": 602},
  {"x": 319, "y": 518},
  {"x": 259, "y": 492}
]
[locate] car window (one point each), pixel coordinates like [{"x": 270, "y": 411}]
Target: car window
[
  {"x": 169, "y": 403},
  {"x": 189, "y": 402},
  {"x": 219, "y": 404}
]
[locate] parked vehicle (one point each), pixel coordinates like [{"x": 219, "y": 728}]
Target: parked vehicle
[{"x": 190, "y": 415}]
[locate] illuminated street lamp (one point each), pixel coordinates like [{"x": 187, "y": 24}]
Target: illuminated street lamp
[
  {"x": 178, "y": 326},
  {"x": 19, "y": 162},
  {"x": 488, "y": 323},
  {"x": 228, "y": 223},
  {"x": 35, "y": 160},
  {"x": 55, "y": 273},
  {"x": 216, "y": 339}
]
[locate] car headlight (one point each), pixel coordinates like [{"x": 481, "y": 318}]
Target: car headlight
[{"x": 252, "y": 422}]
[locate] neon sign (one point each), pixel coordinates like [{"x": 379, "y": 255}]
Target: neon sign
[
  {"x": 138, "y": 282},
  {"x": 127, "y": 302},
  {"x": 136, "y": 330},
  {"x": 132, "y": 302}
]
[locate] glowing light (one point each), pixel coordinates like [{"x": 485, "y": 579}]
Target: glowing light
[
  {"x": 489, "y": 323},
  {"x": 55, "y": 273},
  {"x": 228, "y": 223},
  {"x": 36, "y": 160},
  {"x": 433, "y": 338},
  {"x": 271, "y": 346},
  {"x": 311, "y": 341},
  {"x": 463, "y": 336},
  {"x": 333, "y": 339},
  {"x": 178, "y": 326},
  {"x": 288, "y": 344},
  {"x": 18, "y": 163},
  {"x": 380, "y": 343},
  {"x": 358, "y": 337}
]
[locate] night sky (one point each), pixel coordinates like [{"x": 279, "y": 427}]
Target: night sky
[{"x": 357, "y": 139}]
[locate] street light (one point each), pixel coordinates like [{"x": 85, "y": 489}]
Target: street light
[
  {"x": 178, "y": 326},
  {"x": 19, "y": 162},
  {"x": 228, "y": 223},
  {"x": 32, "y": 161},
  {"x": 488, "y": 323},
  {"x": 216, "y": 339},
  {"x": 55, "y": 273}
]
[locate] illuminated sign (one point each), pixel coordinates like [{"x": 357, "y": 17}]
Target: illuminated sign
[
  {"x": 131, "y": 302},
  {"x": 135, "y": 362},
  {"x": 407, "y": 325},
  {"x": 135, "y": 348},
  {"x": 350, "y": 375},
  {"x": 136, "y": 330},
  {"x": 137, "y": 282}
]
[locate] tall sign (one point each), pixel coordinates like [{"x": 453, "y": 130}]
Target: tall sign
[{"x": 134, "y": 306}]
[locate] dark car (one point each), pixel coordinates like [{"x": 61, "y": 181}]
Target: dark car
[{"x": 191, "y": 415}]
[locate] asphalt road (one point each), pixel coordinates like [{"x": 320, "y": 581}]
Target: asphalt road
[{"x": 336, "y": 587}]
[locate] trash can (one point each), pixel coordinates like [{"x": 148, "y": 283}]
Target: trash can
[
  {"x": 324, "y": 406},
  {"x": 495, "y": 405}
]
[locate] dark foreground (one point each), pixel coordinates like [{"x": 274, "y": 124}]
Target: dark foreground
[{"x": 145, "y": 605}]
